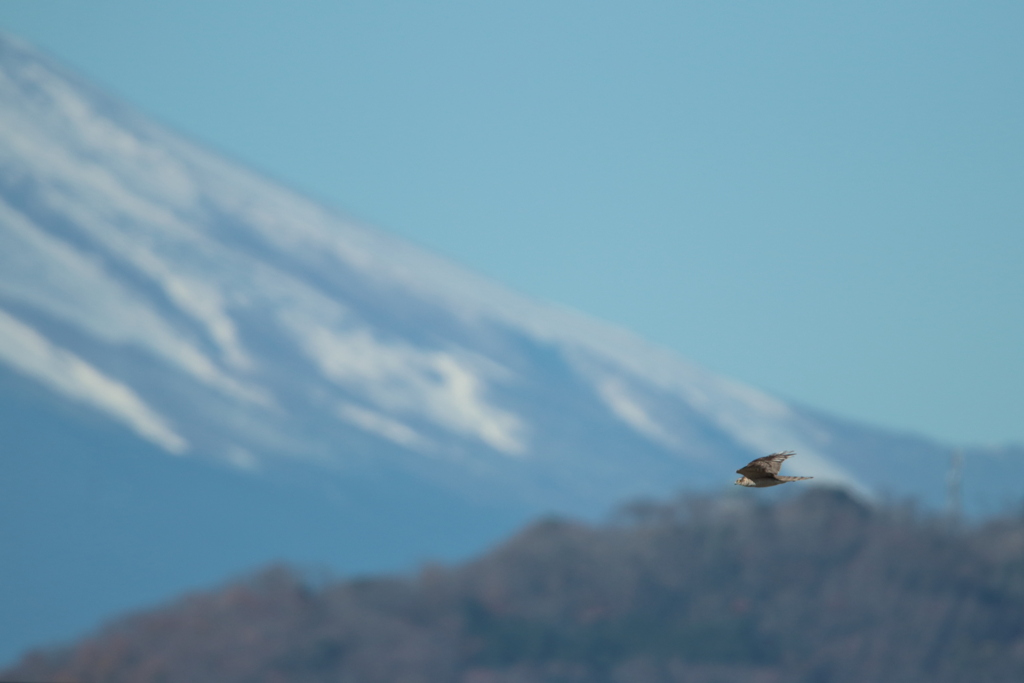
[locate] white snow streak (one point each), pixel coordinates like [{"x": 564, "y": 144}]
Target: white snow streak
[
  {"x": 129, "y": 202},
  {"x": 382, "y": 425},
  {"x": 630, "y": 410},
  {"x": 53, "y": 276},
  {"x": 401, "y": 378},
  {"x": 30, "y": 353}
]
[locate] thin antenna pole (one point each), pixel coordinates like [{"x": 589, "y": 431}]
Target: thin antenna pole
[{"x": 954, "y": 485}]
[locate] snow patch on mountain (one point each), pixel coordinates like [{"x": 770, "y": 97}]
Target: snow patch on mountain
[
  {"x": 29, "y": 352},
  {"x": 629, "y": 407},
  {"x": 51, "y": 275},
  {"x": 382, "y": 425},
  {"x": 446, "y": 388}
]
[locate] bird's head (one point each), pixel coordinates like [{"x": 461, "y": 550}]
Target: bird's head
[{"x": 743, "y": 481}]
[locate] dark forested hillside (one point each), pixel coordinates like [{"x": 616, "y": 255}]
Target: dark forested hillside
[{"x": 818, "y": 588}]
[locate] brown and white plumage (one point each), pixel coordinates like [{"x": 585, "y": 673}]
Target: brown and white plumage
[{"x": 765, "y": 471}]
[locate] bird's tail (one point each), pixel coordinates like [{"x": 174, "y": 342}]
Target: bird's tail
[{"x": 785, "y": 478}]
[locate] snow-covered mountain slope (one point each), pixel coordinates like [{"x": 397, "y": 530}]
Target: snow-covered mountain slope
[
  {"x": 213, "y": 313},
  {"x": 162, "y": 296}
]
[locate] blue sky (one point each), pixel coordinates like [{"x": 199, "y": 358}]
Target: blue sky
[{"x": 825, "y": 200}]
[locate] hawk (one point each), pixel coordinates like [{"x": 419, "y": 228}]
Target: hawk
[{"x": 765, "y": 471}]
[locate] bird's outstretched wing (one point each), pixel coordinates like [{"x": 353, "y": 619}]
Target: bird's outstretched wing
[{"x": 765, "y": 467}]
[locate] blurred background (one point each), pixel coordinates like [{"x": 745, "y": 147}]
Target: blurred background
[
  {"x": 818, "y": 201},
  {"x": 362, "y": 285}
]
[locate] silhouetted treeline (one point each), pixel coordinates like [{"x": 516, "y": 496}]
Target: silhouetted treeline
[{"x": 817, "y": 589}]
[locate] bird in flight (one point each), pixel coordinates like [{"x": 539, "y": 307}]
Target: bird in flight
[{"x": 765, "y": 471}]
